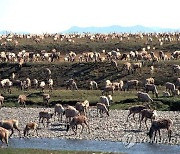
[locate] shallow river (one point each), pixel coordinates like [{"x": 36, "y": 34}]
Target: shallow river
[{"x": 92, "y": 145}]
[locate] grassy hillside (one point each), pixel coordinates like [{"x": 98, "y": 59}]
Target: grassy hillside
[
  {"x": 85, "y": 44},
  {"x": 83, "y": 73}
]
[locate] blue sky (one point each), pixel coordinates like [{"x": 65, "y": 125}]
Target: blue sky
[{"x": 40, "y": 16}]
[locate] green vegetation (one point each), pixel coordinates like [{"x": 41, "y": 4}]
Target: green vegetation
[
  {"x": 121, "y": 99},
  {"x": 40, "y": 151},
  {"x": 85, "y": 44},
  {"x": 83, "y": 73}
]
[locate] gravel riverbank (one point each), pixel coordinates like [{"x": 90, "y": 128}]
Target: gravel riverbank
[{"x": 112, "y": 128}]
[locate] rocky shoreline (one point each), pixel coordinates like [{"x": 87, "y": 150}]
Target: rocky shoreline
[{"x": 112, "y": 128}]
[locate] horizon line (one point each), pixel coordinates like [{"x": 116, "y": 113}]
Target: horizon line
[{"x": 151, "y": 28}]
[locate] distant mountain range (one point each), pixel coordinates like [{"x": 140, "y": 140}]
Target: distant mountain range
[
  {"x": 3, "y": 32},
  {"x": 110, "y": 29},
  {"x": 7, "y": 32},
  {"x": 118, "y": 29}
]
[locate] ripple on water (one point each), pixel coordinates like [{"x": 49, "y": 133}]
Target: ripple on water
[{"x": 92, "y": 145}]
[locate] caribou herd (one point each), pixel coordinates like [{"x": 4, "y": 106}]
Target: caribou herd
[
  {"x": 133, "y": 61},
  {"x": 146, "y": 53}
]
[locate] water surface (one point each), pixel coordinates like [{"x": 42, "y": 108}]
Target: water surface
[{"x": 92, "y": 145}]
